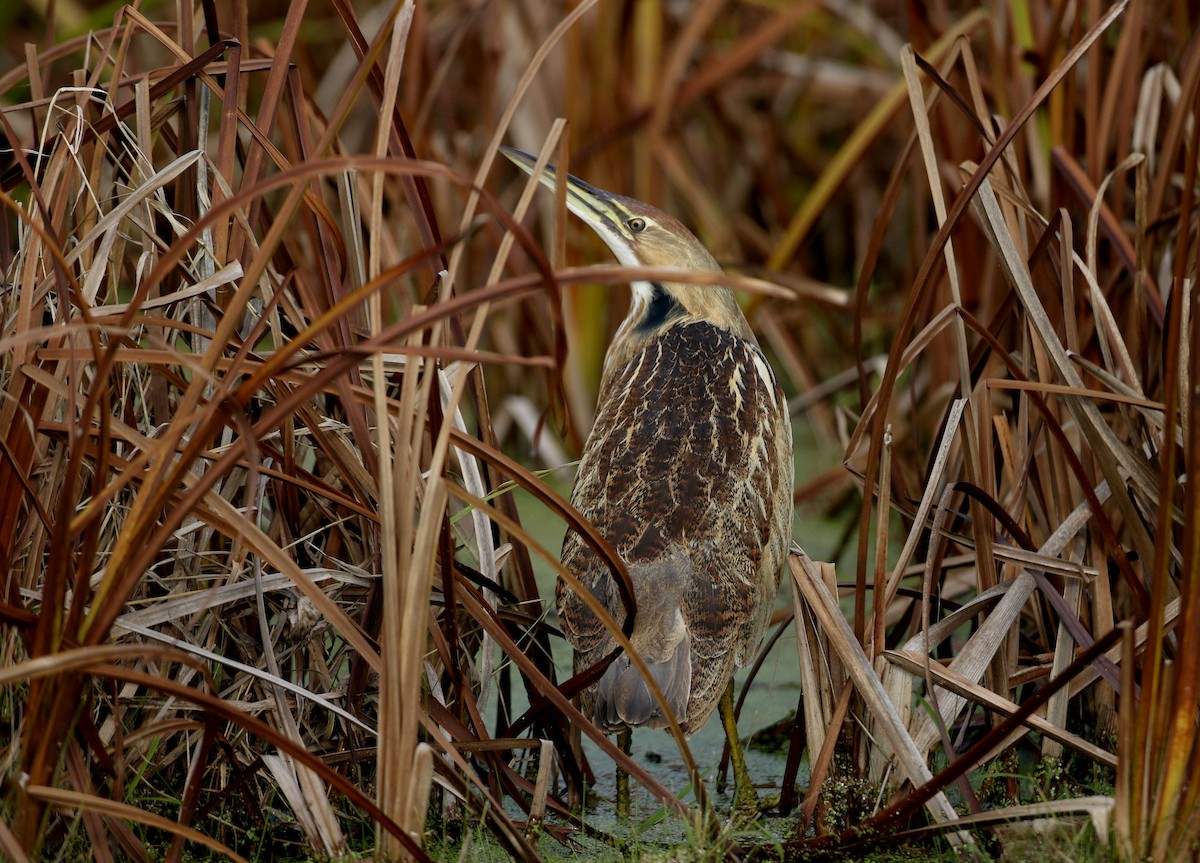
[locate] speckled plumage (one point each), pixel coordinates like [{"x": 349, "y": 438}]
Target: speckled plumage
[{"x": 688, "y": 474}]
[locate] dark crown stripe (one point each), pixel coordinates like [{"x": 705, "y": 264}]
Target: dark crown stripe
[{"x": 597, "y": 201}]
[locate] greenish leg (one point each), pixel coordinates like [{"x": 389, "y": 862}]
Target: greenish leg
[
  {"x": 745, "y": 800},
  {"x": 625, "y": 742}
]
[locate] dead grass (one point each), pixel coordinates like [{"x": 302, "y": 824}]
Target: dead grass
[{"x": 273, "y": 354}]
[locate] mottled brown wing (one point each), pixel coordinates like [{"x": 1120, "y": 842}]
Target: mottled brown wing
[{"x": 689, "y": 457}]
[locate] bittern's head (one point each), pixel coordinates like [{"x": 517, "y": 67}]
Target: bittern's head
[{"x": 644, "y": 236}]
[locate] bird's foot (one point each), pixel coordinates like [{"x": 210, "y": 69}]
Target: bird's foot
[
  {"x": 769, "y": 802},
  {"x": 747, "y": 808}
]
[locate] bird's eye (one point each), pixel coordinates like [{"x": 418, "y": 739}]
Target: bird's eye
[{"x": 636, "y": 225}]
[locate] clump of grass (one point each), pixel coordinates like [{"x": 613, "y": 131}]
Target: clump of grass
[
  {"x": 273, "y": 356},
  {"x": 228, "y": 414},
  {"x": 1031, "y": 430}
]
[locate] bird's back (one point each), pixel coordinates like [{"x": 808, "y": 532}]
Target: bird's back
[{"x": 688, "y": 474}]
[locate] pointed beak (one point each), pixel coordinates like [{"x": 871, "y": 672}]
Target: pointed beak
[{"x": 595, "y": 206}]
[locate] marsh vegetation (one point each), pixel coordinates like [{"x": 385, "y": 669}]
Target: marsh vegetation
[{"x": 294, "y": 372}]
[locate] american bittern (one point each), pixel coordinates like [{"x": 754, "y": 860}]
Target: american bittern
[{"x": 687, "y": 472}]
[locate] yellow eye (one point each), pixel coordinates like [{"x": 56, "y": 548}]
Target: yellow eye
[{"x": 636, "y": 225}]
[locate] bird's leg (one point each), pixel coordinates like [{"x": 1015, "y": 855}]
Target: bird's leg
[
  {"x": 576, "y": 785},
  {"x": 745, "y": 800},
  {"x": 625, "y": 742}
]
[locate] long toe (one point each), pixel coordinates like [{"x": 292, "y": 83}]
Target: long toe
[{"x": 746, "y": 808}]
